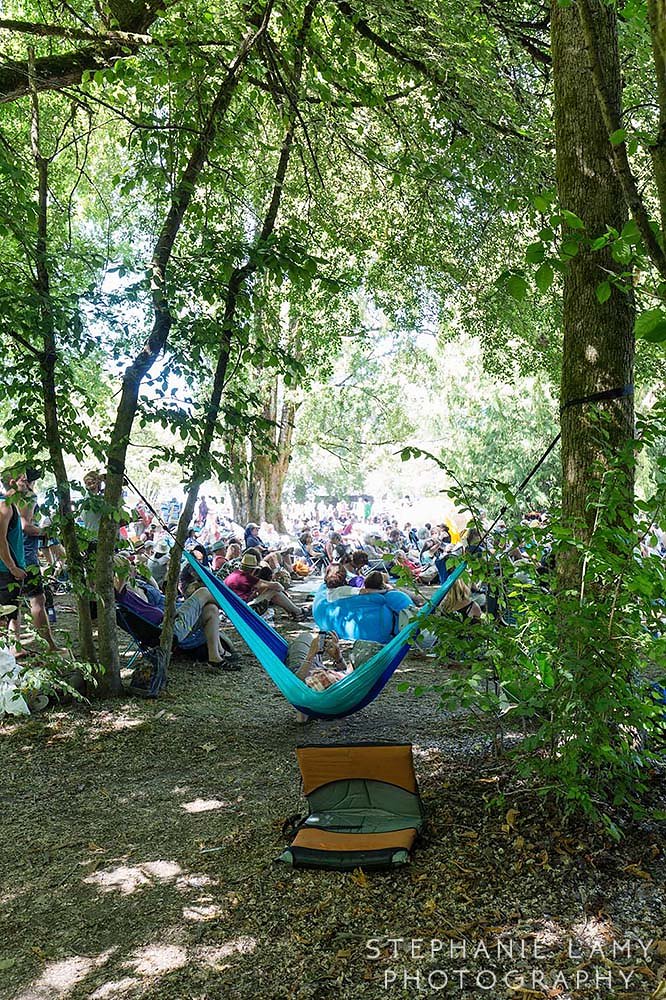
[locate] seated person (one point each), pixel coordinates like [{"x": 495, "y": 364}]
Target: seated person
[
  {"x": 459, "y": 600},
  {"x": 276, "y": 558},
  {"x": 309, "y": 552},
  {"x": 354, "y": 564},
  {"x": 247, "y": 583},
  {"x": 198, "y": 612},
  {"x": 396, "y": 541},
  {"x": 231, "y": 559},
  {"x": 335, "y": 581},
  {"x": 372, "y": 615},
  {"x": 306, "y": 659},
  {"x": 252, "y": 539},
  {"x": 376, "y": 582},
  {"x": 158, "y": 562},
  {"x": 188, "y": 580},
  {"x": 335, "y": 548}
]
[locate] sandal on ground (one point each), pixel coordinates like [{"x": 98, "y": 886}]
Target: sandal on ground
[{"x": 229, "y": 664}]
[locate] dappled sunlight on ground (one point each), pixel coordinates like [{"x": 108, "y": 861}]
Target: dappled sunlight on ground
[
  {"x": 59, "y": 978},
  {"x": 120, "y": 722},
  {"x": 202, "y": 912},
  {"x": 126, "y": 879},
  {"x": 115, "y": 988},
  {"x": 157, "y": 959},
  {"x": 194, "y": 882},
  {"x": 204, "y": 805},
  {"x": 216, "y": 957},
  {"x": 594, "y": 933}
]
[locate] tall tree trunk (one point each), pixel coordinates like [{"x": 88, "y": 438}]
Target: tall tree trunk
[
  {"x": 242, "y": 501},
  {"x": 598, "y": 351},
  {"x": 48, "y": 358},
  {"x": 657, "y": 21},
  {"x": 276, "y": 472},
  {"x": 135, "y": 373}
]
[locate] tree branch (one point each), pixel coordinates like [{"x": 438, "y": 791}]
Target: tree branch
[
  {"x": 105, "y": 36},
  {"x": 426, "y": 69},
  {"x": 54, "y": 72}
]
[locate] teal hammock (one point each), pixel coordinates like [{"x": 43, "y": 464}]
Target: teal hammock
[{"x": 347, "y": 695}]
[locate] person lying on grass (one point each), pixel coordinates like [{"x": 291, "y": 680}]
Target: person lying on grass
[{"x": 199, "y": 611}]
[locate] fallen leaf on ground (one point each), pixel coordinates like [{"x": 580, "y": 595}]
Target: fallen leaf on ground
[{"x": 511, "y": 817}]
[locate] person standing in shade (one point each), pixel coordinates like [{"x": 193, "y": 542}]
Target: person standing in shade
[
  {"x": 12, "y": 555},
  {"x": 203, "y": 511},
  {"x": 93, "y": 506},
  {"x": 33, "y": 586}
]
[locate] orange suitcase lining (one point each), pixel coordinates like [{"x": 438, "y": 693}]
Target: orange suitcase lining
[
  {"x": 322, "y": 765},
  {"x": 323, "y": 840}
]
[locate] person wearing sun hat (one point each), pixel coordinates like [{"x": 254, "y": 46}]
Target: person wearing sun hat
[{"x": 246, "y": 583}]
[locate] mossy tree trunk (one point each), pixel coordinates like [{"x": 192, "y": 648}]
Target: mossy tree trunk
[{"x": 598, "y": 351}]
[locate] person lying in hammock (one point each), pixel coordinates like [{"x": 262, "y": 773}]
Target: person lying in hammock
[
  {"x": 246, "y": 582},
  {"x": 199, "y": 611},
  {"x": 306, "y": 659}
]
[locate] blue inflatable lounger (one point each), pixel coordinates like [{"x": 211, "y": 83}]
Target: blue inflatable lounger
[
  {"x": 364, "y": 807},
  {"x": 373, "y": 617}
]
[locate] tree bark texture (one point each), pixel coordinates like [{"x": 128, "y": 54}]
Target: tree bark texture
[
  {"x": 657, "y": 21},
  {"x": 54, "y": 72},
  {"x": 605, "y": 89},
  {"x": 598, "y": 352},
  {"x": 272, "y": 468}
]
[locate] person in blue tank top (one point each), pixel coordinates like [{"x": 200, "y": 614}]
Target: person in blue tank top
[
  {"x": 12, "y": 554},
  {"x": 33, "y": 586}
]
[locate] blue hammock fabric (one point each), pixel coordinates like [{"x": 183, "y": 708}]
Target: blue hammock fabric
[{"x": 343, "y": 698}]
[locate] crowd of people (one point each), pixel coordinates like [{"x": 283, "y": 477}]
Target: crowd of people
[{"x": 354, "y": 553}]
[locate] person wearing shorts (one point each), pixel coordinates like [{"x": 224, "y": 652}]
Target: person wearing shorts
[
  {"x": 198, "y": 612},
  {"x": 33, "y": 586},
  {"x": 12, "y": 555}
]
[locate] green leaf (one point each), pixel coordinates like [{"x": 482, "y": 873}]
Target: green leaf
[
  {"x": 7, "y": 963},
  {"x": 540, "y": 203},
  {"x": 544, "y": 277},
  {"x": 517, "y": 287},
  {"x": 535, "y": 253},
  {"x": 572, "y": 219},
  {"x": 569, "y": 249},
  {"x": 630, "y": 232},
  {"x": 603, "y": 291},
  {"x": 618, "y": 137},
  {"x": 651, "y": 326}
]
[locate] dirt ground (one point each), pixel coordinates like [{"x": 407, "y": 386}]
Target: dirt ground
[{"x": 137, "y": 847}]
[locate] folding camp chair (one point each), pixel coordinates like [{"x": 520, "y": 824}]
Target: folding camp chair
[
  {"x": 144, "y": 636},
  {"x": 364, "y": 807}
]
